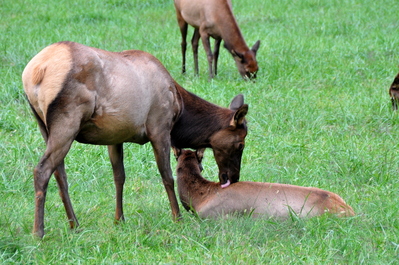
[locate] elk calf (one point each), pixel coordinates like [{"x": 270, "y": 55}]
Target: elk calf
[
  {"x": 209, "y": 200},
  {"x": 214, "y": 18}
]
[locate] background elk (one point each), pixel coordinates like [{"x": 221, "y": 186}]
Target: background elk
[
  {"x": 394, "y": 92},
  {"x": 280, "y": 201},
  {"x": 214, "y": 18},
  {"x": 108, "y": 98}
]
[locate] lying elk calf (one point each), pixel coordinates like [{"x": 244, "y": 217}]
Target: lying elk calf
[
  {"x": 214, "y": 18},
  {"x": 266, "y": 200},
  {"x": 108, "y": 98},
  {"x": 394, "y": 92}
]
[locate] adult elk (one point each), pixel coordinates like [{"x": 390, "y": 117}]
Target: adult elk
[
  {"x": 266, "y": 200},
  {"x": 394, "y": 92},
  {"x": 108, "y": 98},
  {"x": 214, "y": 18}
]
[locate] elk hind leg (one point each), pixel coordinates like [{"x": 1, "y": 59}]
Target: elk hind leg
[
  {"x": 58, "y": 143},
  {"x": 183, "y": 30},
  {"x": 52, "y": 159},
  {"x": 61, "y": 177}
]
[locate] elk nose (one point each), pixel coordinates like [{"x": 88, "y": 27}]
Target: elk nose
[
  {"x": 253, "y": 75},
  {"x": 250, "y": 76}
]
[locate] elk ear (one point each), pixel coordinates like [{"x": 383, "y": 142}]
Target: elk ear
[
  {"x": 200, "y": 154},
  {"x": 237, "y": 102},
  {"x": 255, "y": 47},
  {"x": 176, "y": 151},
  {"x": 239, "y": 116}
]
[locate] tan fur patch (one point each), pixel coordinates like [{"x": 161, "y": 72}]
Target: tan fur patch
[{"x": 44, "y": 75}]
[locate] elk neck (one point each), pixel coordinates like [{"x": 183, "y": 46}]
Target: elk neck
[{"x": 198, "y": 121}]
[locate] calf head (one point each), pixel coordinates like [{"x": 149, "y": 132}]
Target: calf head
[
  {"x": 189, "y": 159},
  {"x": 246, "y": 62},
  {"x": 228, "y": 143}
]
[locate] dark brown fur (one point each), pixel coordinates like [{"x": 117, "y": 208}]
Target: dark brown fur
[{"x": 394, "y": 92}]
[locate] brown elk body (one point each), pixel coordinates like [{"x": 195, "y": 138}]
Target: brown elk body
[
  {"x": 214, "y": 18},
  {"x": 265, "y": 200},
  {"x": 98, "y": 97},
  {"x": 394, "y": 92}
]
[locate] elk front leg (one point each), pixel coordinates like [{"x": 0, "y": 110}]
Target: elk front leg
[
  {"x": 216, "y": 55},
  {"x": 116, "y": 156},
  {"x": 162, "y": 157},
  {"x": 207, "y": 46},
  {"x": 194, "y": 44}
]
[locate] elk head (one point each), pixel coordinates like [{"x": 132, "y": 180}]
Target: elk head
[
  {"x": 228, "y": 144},
  {"x": 246, "y": 62}
]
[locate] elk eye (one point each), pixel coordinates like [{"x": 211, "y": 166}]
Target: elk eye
[{"x": 240, "y": 146}]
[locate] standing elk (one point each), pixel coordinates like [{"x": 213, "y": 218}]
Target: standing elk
[
  {"x": 259, "y": 199},
  {"x": 394, "y": 92},
  {"x": 98, "y": 97},
  {"x": 214, "y": 18}
]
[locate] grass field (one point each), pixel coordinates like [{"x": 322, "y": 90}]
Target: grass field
[{"x": 319, "y": 115}]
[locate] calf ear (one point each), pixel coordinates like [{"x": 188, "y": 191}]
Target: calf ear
[
  {"x": 239, "y": 116},
  {"x": 255, "y": 47},
  {"x": 200, "y": 154},
  {"x": 176, "y": 151},
  {"x": 237, "y": 102}
]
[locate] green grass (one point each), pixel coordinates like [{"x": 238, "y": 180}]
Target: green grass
[{"x": 319, "y": 116}]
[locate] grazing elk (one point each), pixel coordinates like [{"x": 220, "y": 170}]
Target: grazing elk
[
  {"x": 266, "y": 200},
  {"x": 214, "y": 18},
  {"x": 394, "y": 92},
  {"x": 107, "y": 98}
]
